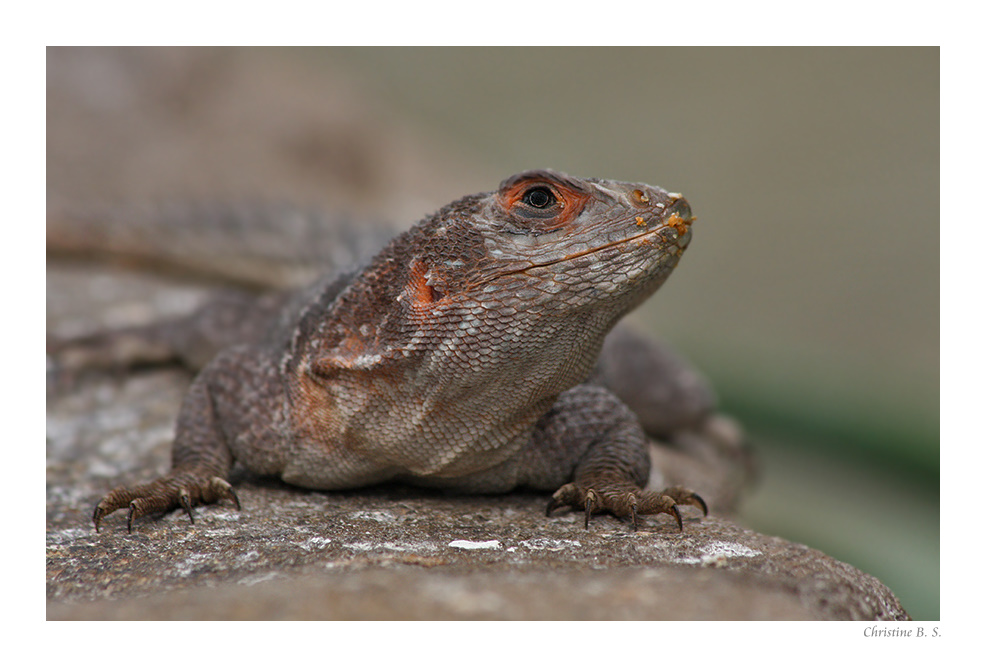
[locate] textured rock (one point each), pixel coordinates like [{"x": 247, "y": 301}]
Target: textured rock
[{"x": 404, "y": 554}]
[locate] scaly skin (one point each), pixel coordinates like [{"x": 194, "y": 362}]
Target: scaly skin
[{"x": 454, "y": 359}]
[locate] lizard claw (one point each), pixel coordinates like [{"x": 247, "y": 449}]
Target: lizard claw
[
  {"x": 186, "y": 504},
  {"x": 97, "y": 515},
  {"x": 223, "y": 488},
  {"x": 590, "y": 501},
  {"x": 684, "y": 496},
  {"x": 677, "y": 517}
]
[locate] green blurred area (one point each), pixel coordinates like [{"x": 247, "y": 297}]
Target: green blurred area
[{"x": 810, "y": 294}]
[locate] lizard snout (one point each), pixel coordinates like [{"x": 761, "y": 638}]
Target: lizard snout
[
  {"x": 678, "y": 216},
  {"x": 682, "y": 211}
]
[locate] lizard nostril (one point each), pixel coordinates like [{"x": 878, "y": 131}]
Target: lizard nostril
[{"x": 682, "y": 210}]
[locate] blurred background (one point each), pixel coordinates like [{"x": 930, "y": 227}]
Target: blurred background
[{"x": 809, "y": 295}]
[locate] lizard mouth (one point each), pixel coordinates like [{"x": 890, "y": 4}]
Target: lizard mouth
[{"x": 678, "y": 218}]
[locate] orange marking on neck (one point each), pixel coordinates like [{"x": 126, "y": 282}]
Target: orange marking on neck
[{"x": 421, "y": 294}]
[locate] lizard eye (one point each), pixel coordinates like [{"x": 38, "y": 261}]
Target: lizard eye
[
  {"x": 540, "y": 202},
  {"x": 539, "y": 197}
]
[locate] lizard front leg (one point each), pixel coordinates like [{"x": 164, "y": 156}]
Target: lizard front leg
[
  {"x": 201, "y": 461},
  {"x": 602, "y": 440},
  {"x": 233, "y": 410}
]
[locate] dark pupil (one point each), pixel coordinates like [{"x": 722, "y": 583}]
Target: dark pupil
[{"x": 539, "y": 198}]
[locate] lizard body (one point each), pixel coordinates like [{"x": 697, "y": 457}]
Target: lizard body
[{"x": 456, "y": 358}]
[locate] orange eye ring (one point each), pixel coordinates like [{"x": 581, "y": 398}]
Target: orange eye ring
[{"x": 541, "y": 199}]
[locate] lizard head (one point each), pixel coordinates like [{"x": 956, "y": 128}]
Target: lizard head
[
  {"x": 542, "y": 268},
  {"x": 551, "y": 243}
]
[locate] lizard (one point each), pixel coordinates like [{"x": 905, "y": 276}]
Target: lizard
[{"x": 462, "y": 356}]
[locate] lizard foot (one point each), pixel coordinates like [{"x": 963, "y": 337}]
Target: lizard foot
[
  {"x": 624, "y": 500},
  {"x": 181, "y": 489}
]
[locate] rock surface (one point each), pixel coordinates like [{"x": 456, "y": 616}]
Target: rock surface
[{"x": 387, "y": 555}]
